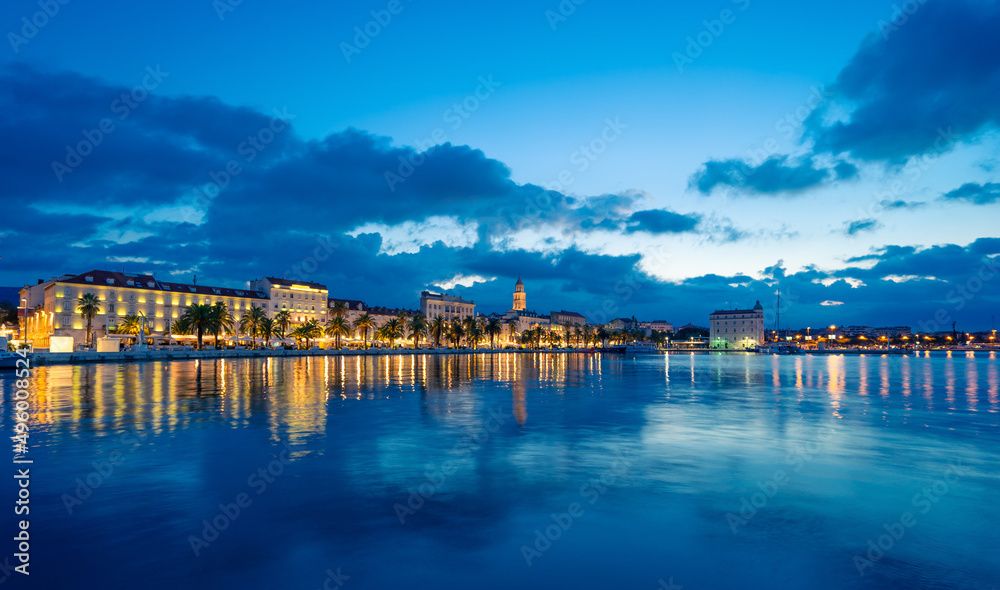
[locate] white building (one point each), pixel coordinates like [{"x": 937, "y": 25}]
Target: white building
[
  {"x": 447, "y": 306},
  {"x": 304, "y": 301},
  {"x": 736, "y": 329},
  {"x": 657, "y": 326},
  {"x": 52, "y": 304}
]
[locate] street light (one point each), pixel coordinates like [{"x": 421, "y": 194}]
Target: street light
[{"x": 25, "y": 306}]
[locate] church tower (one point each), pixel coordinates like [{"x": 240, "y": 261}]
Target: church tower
[{"x": 519, "y": 300}]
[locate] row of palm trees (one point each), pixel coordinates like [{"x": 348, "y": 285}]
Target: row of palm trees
[{"x": 216, "y": 320}]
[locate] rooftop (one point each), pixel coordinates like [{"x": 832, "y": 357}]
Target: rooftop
[{"x": 140, "y": 281}]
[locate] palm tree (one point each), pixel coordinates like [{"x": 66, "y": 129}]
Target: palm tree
[
  {"x": 339, "y": 309},
  {"x": 180, "y": 326},
  {"x": 493, "y": 329},
  {"x": 338, "y": 327},
  {"x": 267, "y": 328},
  {"x": 130, "y": 324},
  {"x": 555, "y": 339},
  {"x": 456, "y": 332},
  {"x": 311, "y": 330},
  {"x": 298, "y": 334},
  {"x": 199, "y": 317},
  {"x": 282, "y": 320},
  {"x": 88, "y": 305},
  {"x": 252, "y": 323},
  {"x": 380, "y": 334},
  {"x": 418, "y": 328},
  {"x": 222, "y": 320},
  {"x": 393, "y": 329},
  {"x": 438, "y": 327},
  {"x": 473, "y": 334},
  {"x": 363, "y": 324}
]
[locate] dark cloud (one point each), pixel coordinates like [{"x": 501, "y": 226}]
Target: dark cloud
[
  {"x": 861, "y": 225},
  {"x": 774, "y": 176},
  {"x": 978, "y": 194},
  {"x": 917, "y": 85},
  {"x": 661, "y": 221}
]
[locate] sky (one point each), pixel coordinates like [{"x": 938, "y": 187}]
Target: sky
[{"x": 661, "y": 160}]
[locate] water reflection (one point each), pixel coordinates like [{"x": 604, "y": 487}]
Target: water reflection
[{"x": 365, "y": 431}]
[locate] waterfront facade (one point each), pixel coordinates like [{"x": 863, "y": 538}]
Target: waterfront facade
[
  {"x": 736, "y": 329},
  {"x": 53, "y": 309},
  {"x": 304, "y": 301},
  {"x": 567, "y": 317},
  {"x": 448, "y": 306}
]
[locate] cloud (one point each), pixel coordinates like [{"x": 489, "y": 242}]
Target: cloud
[
  {"x": 661, "y": 221},
  {"x": 978, "y": 194},
  {"x": 861, "y": 225},
  {"x": 917, "y": 86},
  {"x": 774, "y": 176},
  {"x": 888, "y": 205}
]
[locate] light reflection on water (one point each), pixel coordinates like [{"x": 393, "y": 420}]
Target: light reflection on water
[{"x": 699, "y": 434}]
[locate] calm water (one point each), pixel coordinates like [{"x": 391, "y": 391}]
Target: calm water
[{"x": 703, "y": 471}]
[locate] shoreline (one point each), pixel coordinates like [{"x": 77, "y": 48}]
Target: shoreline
[{"x": 63, "y": 358}]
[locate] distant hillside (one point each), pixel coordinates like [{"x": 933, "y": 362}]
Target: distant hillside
[{"x": 10, "y": 294}]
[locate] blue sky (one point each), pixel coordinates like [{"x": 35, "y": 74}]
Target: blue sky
[{"x": 698, "y": 155}]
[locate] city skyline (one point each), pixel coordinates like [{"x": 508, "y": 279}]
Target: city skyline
[{"x": 698, "y": 168}]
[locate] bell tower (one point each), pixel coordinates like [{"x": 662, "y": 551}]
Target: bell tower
[{"x": 519, "y": 297}]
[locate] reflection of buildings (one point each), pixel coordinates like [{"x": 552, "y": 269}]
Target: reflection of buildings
[{"x": 737, "y": 328}]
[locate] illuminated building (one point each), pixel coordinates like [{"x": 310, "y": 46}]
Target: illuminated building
[
  {"x": 304, "y": 301},
  {"x": 53, "y": 303},
  {"x": 447, "y": 306},
  {"x": 737, "y": 328}
]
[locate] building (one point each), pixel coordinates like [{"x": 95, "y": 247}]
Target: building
[
  {"x": 304, "y": 301},
  {"x": 623, "y": 324},
  {"x": 520, "y": 297},
  {"x": 447, "y": 306},
  {"x": 656, "y": 326},
  {"x": 736, "y": 328},
  {"x": 53, "y": 303},
  {"x": 562, "y": 318},
  {"x": 353, "y": 309}
]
